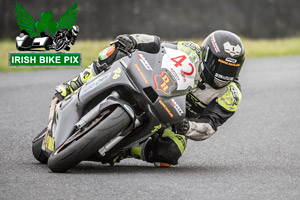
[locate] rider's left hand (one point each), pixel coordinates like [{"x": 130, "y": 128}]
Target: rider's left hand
[{"x": 181, "y": 127}]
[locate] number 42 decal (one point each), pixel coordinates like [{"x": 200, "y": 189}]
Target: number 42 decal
[{"x": 178, "y": 62}]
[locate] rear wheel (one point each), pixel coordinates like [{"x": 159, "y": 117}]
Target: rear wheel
[
  {"x": 37, "y": 151},
  {"x": 81, "y": 149}
]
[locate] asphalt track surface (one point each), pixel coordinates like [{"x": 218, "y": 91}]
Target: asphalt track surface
[{"x": 255, "y": 155}]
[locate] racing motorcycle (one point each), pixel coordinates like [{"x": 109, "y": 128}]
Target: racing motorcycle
[
  {"x": 124, "y": 104},
  {"x": 64, "y": 38},
  {"x": 61, "y": 42}
]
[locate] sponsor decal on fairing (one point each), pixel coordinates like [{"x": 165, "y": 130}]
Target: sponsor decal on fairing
[
  {"x": 144, "y": 62},
  {"x": 94, "y": 84},
  {"x": 177, "y": 107},
  {"x": 163, "y": 82},
  {"x": 117, "y": 73},
  {"x": 166, "y": 108},
  {"x": 178, "y": 62},
  {"x": 141, "y": 73}
]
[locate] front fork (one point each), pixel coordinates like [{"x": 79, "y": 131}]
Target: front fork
[{"x": 48, "y": 141}]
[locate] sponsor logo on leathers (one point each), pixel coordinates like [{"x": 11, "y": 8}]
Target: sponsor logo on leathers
[{"x": 235, "y": 95}]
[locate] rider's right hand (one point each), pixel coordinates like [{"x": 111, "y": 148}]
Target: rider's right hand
[
  {"x": 182, "y": 127},
  {"x": 126, "y": 42},
  {"x": 62, "y": 91}
]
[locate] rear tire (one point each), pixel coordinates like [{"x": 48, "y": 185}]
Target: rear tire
[
  {"x": 91, "y": 142},
  {"x": 37, "y": 151}
]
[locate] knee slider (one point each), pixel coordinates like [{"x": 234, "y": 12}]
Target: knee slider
[
  {"x": 166, "y": 151},
  {"x": 168, "y": 148}
]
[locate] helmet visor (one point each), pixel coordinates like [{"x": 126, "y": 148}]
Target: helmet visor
[
  {"x": 212, "y": 80},
  {"x": 223, "y": 69}
]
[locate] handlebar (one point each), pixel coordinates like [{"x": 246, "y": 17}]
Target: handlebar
[{"x": 120, "y": 46}]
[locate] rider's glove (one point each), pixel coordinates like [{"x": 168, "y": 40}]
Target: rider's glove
[
  {"x": 62, "y": 91},
  {"x": 126, "y": 42},
  {"x": 181, "y": 127},
  {"x": 200, "y": 131}
]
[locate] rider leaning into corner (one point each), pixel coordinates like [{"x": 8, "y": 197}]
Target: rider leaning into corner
[{"x": 213, "y": 101}]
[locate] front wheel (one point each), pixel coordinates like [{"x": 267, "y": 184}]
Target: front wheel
[
  {"x": 37, "y": 151},
  {"x": 60, "y": 45},
  {"x": 81, "y": 149}
]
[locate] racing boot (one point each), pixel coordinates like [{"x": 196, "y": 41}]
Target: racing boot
[{"x": 163, "y": 149}]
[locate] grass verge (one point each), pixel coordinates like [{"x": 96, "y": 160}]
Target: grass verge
[{"x": 91, "y": 48}]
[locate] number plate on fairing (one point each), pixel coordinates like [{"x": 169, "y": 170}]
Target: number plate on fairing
[{"x": 181, "y": 68}]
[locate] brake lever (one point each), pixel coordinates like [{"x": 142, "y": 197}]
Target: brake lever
[{"x": 114, "y": 42}]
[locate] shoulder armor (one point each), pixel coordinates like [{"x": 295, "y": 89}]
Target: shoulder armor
[
  {"x": 189, "y": 46},
  {"x": 232, "y": 97},
  {"x": 191, "y": 49}
]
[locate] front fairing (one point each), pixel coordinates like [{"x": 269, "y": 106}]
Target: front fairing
[
  {"x": 69, "y": 111},
  {"x": 163, "y": 85}
]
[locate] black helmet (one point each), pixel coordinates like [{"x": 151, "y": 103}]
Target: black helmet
[{"x": 222, "y": 55}]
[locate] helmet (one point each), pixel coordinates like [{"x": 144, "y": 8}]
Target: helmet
[
  {"x": 75, "y": 30},
  {"x": 222, "y": 55}
]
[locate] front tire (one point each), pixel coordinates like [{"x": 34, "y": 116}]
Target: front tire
[
  {"x": 37, "y": 151},
  {"x": 90, "y": 143},
  {"x": 60, "y": 45}
]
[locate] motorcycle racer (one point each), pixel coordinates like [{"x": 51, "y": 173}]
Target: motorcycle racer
[
  {"x": 213, "y": 101},
  {"x": 66, "y": 34}
]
